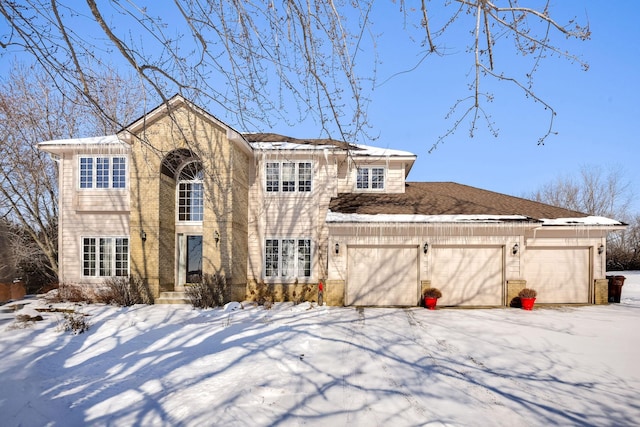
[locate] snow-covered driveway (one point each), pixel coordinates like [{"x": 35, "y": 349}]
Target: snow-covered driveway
[{"x": 328, "y": 366}]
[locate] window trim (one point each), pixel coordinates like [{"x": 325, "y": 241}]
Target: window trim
[
  {"x": 89, "y": 181},
  {"x": 95, "y": 268},
  {"x": 274, "y": 184},
  {"x": 190, "y": 182},
  {"x": 294, "y": 259},
  {"x": 370, "y": 179}
]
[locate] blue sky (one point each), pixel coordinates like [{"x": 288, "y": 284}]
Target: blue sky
[{"x": 596, "y": 110}]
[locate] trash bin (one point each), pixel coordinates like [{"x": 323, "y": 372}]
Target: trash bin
[{"x": 615, "y": 287}]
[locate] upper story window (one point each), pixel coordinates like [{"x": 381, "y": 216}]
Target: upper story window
[
  {"x": 288, "y": 177},
  {"x": 191, "y": 192},
  {"x": 103, "y": 172},
  {"x": 370, "y": 179}
]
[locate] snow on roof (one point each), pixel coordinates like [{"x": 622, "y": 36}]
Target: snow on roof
[
  {"x": 360, "y": 150},
  {"x": 380, "y": 218},
  {"x": 288, "y": 146},
  {"x": 368, "y": 150},
  {"x": 94, "y": 140},
  {"x": 335, "y": 217},
  {"x": 587, "y": 220}
]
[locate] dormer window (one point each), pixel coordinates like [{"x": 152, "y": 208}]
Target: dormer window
[{"x": 370, "y": 178}]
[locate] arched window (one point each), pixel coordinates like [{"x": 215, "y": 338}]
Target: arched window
[{"x": 191, "y": 192}]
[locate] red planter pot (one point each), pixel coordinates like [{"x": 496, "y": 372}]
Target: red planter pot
[
  {"x": 430, "y": 303},
  {"x": 527, "y": 303}
]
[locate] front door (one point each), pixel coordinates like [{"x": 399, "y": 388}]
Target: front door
[{"x": 189, "y": 259}]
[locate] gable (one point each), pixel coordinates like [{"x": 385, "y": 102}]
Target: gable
[{"x": 183, "y": 116}]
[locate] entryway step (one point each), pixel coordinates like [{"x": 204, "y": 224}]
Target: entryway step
[{"x": 173, "y": 297}]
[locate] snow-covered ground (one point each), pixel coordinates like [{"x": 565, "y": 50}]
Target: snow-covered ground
[{"x": 326, "y": 366}]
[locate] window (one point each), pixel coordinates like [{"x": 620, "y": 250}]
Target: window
[
  {"x": 86, "y": 172},
  {"x": 370, "y": 179},
  {"x": 118, "y": 172},
  {"x": 363, "y": 178},
  {"x": 191, "y": 193},
  {"x": 289, "y": 258},
  {"x": 273, "y": 176},
  {"x": 105, "y": 256},
  {"x": 271, "y": 256},
  {"x": 103, "y": 172},
  {"x": 304, "y": 176},
  {"x": 288, "y": 177}
]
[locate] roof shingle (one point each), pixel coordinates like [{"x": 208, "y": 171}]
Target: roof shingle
[
  {"x": 446, "y": 198},
  {"x": 274, "y": 137}
]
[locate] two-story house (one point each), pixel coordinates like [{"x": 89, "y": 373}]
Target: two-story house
[{"x": 179, "y": 193}]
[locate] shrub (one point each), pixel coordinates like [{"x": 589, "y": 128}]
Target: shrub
[
  {"x": 527, "y": 293},
  {"x": 125, "y": 291},
  {"x": 74, "y": 322},
  {"x": 211, "y": 291},
  {"x": 69, "y": 293},
  {"x": 263, "y": 295},
  {"x": 301, "y": 294},
  {"x": 24, "y": 321},
  {"x": 432, "y": 293}
]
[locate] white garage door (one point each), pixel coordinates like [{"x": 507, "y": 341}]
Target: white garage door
[
  {"x": 384, "y": 276},
  {"x": 558, "y": 275},
  {"x": 468, "y": 275}
]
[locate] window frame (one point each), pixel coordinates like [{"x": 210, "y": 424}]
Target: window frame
[
  {"x": 375, "y": 176},
  {"x": 195, "y": 213},
  {"x": 102, "y": 172},
  {"x": 285, "y": 258},
  {"x": 105, "y": 256},
  {"x": 286, "y": 177}
]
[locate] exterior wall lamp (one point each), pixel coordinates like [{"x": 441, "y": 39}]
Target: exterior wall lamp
[
  {"x": 425, "y": 248},
  {"x": 337, "y": 248},
  {"x": 600, "y": 249},
  {"x": 143, "y": 235},
  {"x": 515, "y": 249}
]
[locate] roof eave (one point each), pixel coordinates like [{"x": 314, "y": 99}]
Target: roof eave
[{"x": 82, "y": 144}]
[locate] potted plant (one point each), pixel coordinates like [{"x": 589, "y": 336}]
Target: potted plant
[
  {"x": 431, "y": 296},
  {"x": 527, "y": 298}
]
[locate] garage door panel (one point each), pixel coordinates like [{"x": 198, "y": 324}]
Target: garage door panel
[
  {"x": 385, "y": 276},
  {"x": 468, "y": 276},
  {"x": 559, "y": 275}
]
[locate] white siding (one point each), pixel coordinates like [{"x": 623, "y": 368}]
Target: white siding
[
  {"x": 395, "y": 178},
  {"x": 295, "y": 215},
  {"x": 86, "y": 214}
]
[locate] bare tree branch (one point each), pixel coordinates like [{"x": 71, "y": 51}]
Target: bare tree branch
[
  {"x": 32, "y": 110},
  {"x": 266, "y": 61}
]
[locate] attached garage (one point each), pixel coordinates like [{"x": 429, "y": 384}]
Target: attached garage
[
  {"x": 478, "y": 247},
  {"x": 382, "y": 276},
  {"x": 559, "y": 275},
  {"x": 468, "y": 275}
]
